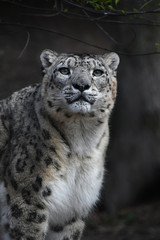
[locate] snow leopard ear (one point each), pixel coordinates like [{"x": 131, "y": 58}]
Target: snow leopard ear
[
  {"x": 47, "y": 58},
  {"x": 112, "y": 60}
]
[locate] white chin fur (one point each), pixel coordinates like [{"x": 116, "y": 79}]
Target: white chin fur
[{"x": 80, "y": 106}]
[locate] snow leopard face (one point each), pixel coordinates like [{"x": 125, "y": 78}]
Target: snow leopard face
[{"x": 79, "y": 83}]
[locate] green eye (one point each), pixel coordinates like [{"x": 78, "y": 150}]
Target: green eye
[
  {"x": 64, "y": 71},
  {"x": 97, "y": 72}
]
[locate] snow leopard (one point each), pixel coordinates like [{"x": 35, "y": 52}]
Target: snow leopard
[{"x": 53, "y": 141}]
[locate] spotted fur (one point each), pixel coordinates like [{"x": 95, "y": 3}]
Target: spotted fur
[{"x": 53, "y": 138}]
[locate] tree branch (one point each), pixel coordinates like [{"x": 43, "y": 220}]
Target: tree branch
[
  {"x": 145, "y": 4},
  {"x": 51, "y": 31},
  {"x": 26, "y": 6},
  {"x": 76, "y": 39},
  {"x": 102, "y": 29},
  {"x": 26, "y": 45},
  {"x": 59, "y": 5},
  {"x": 103, "y": 13},
  {"x": 113, "y": 12}
]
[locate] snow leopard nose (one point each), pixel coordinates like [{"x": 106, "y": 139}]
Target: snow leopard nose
[{"x": 81, "y": 86}]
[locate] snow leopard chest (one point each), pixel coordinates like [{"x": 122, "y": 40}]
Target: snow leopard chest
[{"x": 74, "y": 193}]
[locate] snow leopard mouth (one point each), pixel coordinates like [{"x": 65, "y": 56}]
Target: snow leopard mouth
[{"x": 81, "y": 97}]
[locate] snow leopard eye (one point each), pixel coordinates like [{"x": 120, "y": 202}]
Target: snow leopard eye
[
  {"x": 97, "y": 72},
  {"x": 64, "y": 71}
]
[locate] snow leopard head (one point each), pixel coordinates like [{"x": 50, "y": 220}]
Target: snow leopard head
[{"x": 79, "y": 84}]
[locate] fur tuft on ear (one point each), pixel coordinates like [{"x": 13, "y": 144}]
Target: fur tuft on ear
[
  {"x": 112, "y": 60},
  {"x": 47, "y": 58}
]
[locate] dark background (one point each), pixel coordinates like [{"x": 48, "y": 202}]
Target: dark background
[{"x": 133, "y": 159}]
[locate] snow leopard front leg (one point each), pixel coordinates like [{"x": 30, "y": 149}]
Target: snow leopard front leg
[
  {"x": 24, "y": 221},
  {"x": 71, "y": 231}
]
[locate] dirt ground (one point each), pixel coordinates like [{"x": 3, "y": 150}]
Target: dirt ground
[{"x": 137, "y": 223}]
